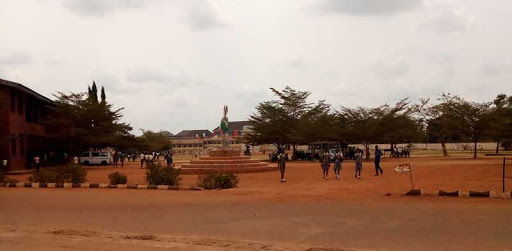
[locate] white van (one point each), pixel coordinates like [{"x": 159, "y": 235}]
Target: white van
[{"x": 96, "y": 158}]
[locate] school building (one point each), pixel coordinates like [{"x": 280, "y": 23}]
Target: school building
[{"x": 21, "y": 133}]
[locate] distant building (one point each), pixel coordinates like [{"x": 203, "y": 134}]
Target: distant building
[
  {"x": 194, "y": 134},
  {"x": 22, "y": 135},
  {"x": 167, "y": 134},
  {"x": 237, "y": 129},
  {"x": 189, "y": 141}
]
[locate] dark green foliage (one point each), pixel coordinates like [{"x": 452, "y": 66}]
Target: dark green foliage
[
  {"x": 79, "y": 119},
  {"x": 154, "y": 141},
  {"x": 290, "y": 120},
  {"x": 117, "y": 178},
  {"x": 157, "y": 174},
  {"x": 71, "y": 173},
  {"x": 103, "y": 95},
  {"x": 218, "y": 181},
  {"x": 94, "y": 93}
]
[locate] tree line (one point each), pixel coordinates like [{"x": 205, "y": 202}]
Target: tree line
[
  {"x": 290, "y": 120},
  {"x": 84, "y": 120}
]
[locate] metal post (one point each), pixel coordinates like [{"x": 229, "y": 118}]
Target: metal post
[
  {"x": 410, "y": 172},
  {"x": 503, "y": 174}
]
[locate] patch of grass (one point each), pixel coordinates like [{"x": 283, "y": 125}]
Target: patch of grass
[
  {"x": 83, "y": 233},
  {"x": 157, "y": 174},
  {"x": 218, "y": 181},
  {"x": 141, "y": 237},
  {"x": 72, "y": 173},
  {"x": 117, "y": 178}
]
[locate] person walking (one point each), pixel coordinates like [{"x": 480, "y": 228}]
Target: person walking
[
  {"x": 378, "y": 153},
  {"x": 116, "y": 158},
  {"x": 4, "y": 165},
  {"x": 142, "y": 156},
  {"x": 37, "y": 162},
  {"x": 338, "y": 159},
  {"x": 122, "y": 159},
  {"x": 169, "y": 159},
  {"x": 359, "y": 163},
  {"x": 325, "y": 164},
  {"x": 282, "y": 165}
]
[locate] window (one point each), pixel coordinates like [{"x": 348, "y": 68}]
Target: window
[
  {"x": 13, "y": 144},
  {"x": 13, "y": 101},
  {"x": 95, "y": 155},
  {"x": 22, "y": 144},
  {"x": 29, "y": 111},
  {"x": 86, "y": 154},
  {"x": 20, "y": 104}
]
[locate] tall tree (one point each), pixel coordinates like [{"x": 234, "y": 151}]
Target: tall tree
[
  {"x": 390, "y": 124},
  {"x": 501, "y": 120},
  {"x": 154, "y": 141},
  {"x": 94, "y": 93},
  {"x": 447, "y": 123},
  {"x": 477, "y": 118},
  {"x": 103, "y": 95},
  {"x": 278, "y": 121},
  {"x": 85, "y": 123}
]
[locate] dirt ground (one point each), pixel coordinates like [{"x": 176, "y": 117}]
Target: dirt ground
[
  {"x": 305, "y": 213},
  {"x": 304, "y": 178}
]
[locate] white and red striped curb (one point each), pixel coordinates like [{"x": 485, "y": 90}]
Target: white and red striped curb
[
  {"x": 460, "y": 193},
  {"x": 98, "y": 185}
]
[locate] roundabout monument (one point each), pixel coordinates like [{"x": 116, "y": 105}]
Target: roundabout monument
[{"x": 226, "y": 159}]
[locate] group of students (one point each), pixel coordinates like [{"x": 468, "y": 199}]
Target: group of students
[
  {"x": 155, "y": 157},
  {"x": 337, "y": 159},
  {"x": 325, "y": 163}
]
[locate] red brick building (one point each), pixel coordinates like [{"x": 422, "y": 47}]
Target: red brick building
[
  {"x": 22, "y": 136},
  {"x": 237, "y": 129}
]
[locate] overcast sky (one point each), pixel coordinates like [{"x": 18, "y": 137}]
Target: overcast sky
[{"x": 173, "y": 64}]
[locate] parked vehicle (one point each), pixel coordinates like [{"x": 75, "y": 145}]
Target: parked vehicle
[
  {"x": 96, "y": 158},
  {"x": 302, "y": 155}
]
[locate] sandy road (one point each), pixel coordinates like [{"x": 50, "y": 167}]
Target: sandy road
[{"x": 180, "y": 220}]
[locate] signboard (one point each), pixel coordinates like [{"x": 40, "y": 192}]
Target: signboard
[{"x": 403, "y": 168}]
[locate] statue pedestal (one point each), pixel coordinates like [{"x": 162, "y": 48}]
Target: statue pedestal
[
  {"x": 224, "y": 153},
  {"x": 225, "y": 161}
]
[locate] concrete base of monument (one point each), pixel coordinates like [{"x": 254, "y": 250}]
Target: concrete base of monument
[
  {"x": 226, "y": 161},
  {"x": 224, "y": 170}
]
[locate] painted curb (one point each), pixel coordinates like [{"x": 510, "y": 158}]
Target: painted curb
[
  {"x": 415, "y": 192},
  {"x": 99, "y": 185},
  {"x": 486, "y": 194},
  {"x": 453, "y": 194},
  {"x": 461, "y": 194}
]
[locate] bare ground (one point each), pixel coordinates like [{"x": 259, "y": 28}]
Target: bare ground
[{"x": 305, "y": 213}]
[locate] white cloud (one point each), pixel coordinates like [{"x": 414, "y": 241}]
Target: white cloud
[
  {"x": 206, "y": 15},
  {"x": 173, "y": 64},
  {"x": 102, "y": 7},
  {"x": 446, "y": 18},
  {"x": 390, "y": 69},
  {"x": 368, "y": 7},
  {"x": 15, "y": 58}
]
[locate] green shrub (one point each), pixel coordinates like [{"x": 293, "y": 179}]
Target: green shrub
[
  {"x": 117, "y": 178},
  {"x": 157, "y": 174},
  {"x": 218, "y": 181},
  {"x": 72, "y": 173},
  {"x": 10, "y": 180}
]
